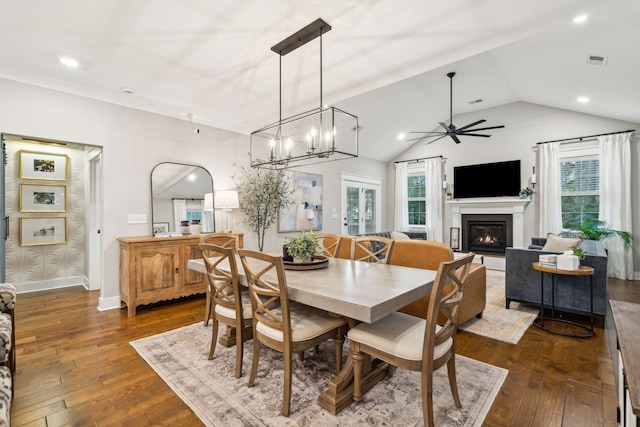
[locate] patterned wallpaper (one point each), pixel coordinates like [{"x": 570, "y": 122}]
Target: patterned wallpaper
[{"x": 46, "y": 262}]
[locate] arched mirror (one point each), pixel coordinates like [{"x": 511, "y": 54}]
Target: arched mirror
[{"x": 182, "y": 196}]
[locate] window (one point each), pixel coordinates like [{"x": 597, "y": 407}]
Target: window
[
  {"x": 417, "y": 199},
  {"x": 580, "y": 189}
]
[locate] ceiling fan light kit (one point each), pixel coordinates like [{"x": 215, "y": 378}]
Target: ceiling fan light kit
[
  {"x": 319, "y": 135},
  {"x": 450, "y": 129}
]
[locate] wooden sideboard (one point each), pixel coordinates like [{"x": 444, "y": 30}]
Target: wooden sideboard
[
  {"x": 626, "y": 318},
  {"x": 155, "y": 269}
]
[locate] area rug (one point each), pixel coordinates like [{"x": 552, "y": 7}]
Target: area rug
[
  {"x": 211, "y": 390},
  {"x": 497, "y": 322}
]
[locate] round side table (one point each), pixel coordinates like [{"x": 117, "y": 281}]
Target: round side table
[{"x": 539, "y": 322}]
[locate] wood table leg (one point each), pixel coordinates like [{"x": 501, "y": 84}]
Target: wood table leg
[
  {"x": 228, "y": 339},
  {"x": 339, "y": 394}
]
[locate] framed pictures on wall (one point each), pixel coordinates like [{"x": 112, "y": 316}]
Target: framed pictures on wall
[
  {"x": 43, "y": 198},
  {"x": 39, "y": 231},
  {"x": 34, "y": 165}
]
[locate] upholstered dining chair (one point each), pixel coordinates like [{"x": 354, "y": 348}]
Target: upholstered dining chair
[
  {"x": 371, "y": 249},
  {"x": 330, "y": 244},
  {"x": 230, "y": 306},
  {"x": 284, "y": 325},
  {"x": 395, "y": 339},
  {"x": 218, "y": 239}
]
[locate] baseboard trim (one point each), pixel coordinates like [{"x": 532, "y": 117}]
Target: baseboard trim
[
  {"x": 45, "y": 285},
  {"x": 110, "y": 303}
]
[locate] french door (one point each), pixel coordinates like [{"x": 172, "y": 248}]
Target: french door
[{"x": 361, "y": 210}]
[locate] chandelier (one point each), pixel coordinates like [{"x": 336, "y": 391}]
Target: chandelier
[{"x": 318, "y": 135}]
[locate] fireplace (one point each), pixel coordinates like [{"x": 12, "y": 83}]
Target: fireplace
[{"x": 487, "y": 233}]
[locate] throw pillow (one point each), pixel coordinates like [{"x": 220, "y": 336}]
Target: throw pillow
[
  {"x": 560, "y": 244},
  {"x": 396, "y": 235}
]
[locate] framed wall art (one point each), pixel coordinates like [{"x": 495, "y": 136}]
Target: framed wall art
[
  {"x": 160, "y": 227},
  {"x": 306, "y": 211},
  {"x": 43, "y": 198},
  {"x": 34, "y": 165},
  {"x": 38, "y": 231},
  {"x": 454, "y": 237}
]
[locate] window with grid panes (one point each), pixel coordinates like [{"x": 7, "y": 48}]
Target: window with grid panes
[
  {"x": 580, "y": 189},
  {"x": 417, "y": 199}
]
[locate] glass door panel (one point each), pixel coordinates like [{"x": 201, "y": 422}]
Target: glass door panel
[
  {"x": 361, "y": 207},
  {"x": 370, "y": 218},
  {"x": 352, "y": 219}
]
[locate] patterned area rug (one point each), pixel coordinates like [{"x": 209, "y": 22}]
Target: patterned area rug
[
  {"x": 210, "y": 388},
  {"x": 497, "y": 322}
]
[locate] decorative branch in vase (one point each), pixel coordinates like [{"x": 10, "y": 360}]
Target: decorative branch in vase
[{"x": 261, "y": 195}]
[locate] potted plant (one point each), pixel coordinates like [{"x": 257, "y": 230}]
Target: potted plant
[
  {"x": 261, "y": 195},
  {"x": 525, "y": 193},
  {"x": 599, "y": 230},
  {"x": 578, "y": 252},
  {"x": 303, "y": 247}
]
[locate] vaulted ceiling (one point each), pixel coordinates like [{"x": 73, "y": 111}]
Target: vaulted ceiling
[{"x": 385, "y": 61}]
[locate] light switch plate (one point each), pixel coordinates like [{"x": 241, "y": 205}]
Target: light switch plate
[{"x": 137, "y": 218}]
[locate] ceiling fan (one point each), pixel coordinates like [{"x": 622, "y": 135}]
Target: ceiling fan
[{"x": 450, "y": 130}]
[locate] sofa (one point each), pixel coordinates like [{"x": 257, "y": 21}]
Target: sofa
[
  {"x": 426, "y": 254},
  {"x": 522, "y": 282}
]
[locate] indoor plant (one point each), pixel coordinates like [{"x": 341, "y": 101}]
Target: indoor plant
[
  {"x": 525, "y": 192},
  {"x": 261, "y": 195},
  {"x": 598, "y": 230},
  {"x": 303, "y": 247}
]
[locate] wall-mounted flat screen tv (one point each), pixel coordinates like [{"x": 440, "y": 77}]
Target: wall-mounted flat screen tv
[{"x": 487, "y": 180}]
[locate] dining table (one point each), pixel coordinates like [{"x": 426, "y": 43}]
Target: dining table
[{"x": 358, "y": 291}]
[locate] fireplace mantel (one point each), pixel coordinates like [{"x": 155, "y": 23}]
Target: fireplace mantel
[{"x": 492, "y": 205}]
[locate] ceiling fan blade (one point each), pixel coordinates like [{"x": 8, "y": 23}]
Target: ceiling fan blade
[
  {"x": 474, "y": 134},
  {"x": 487, "y": 128},
  {"x": 419, "y": 138},
  {"x": 435, "y": 133},
  {"x": 437, "y": 139},
  {"x": 470, "y": 125},
  {"x": 455, "y": 138},
  {"x": 447, "y": 128}
]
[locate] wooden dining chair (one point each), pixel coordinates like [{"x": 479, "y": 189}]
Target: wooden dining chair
[
  {"x": 218, "y": 239},
  {"x": 330, "y": 244},
  {"x": 371, "y": 249},
  {"x": 227, "y": 302},
  {"x": 395, "y": 339},
  {"x": 284, "y": 325}
]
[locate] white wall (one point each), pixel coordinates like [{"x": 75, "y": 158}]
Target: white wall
[
  {"x": 525, "y": 125},
  {"x": 133, "y": 143}
]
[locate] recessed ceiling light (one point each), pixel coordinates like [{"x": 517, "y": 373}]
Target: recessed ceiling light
[
  {"x": 69, "y": 62},
  {"x": 582, "y": 99},
  {"x": 401, "y": 136},
  {"x": 580, "y": 19}
]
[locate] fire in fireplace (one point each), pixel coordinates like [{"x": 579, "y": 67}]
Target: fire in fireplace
[{"x": 487, "y": 233}]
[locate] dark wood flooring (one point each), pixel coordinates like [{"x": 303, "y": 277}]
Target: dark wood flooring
[{"x": 76, "y": 367}]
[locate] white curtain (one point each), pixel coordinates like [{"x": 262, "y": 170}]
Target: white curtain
[
  {"x": 434, "y": 193},
  {"x": 549, "y": 200},
  {"x": 615, "y": 200},
  {"x": 401, "y": 207},
  {"x": 179, "y": 212}
]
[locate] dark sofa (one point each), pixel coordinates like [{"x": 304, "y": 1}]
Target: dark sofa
[{"x": 522, "y": 282}]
